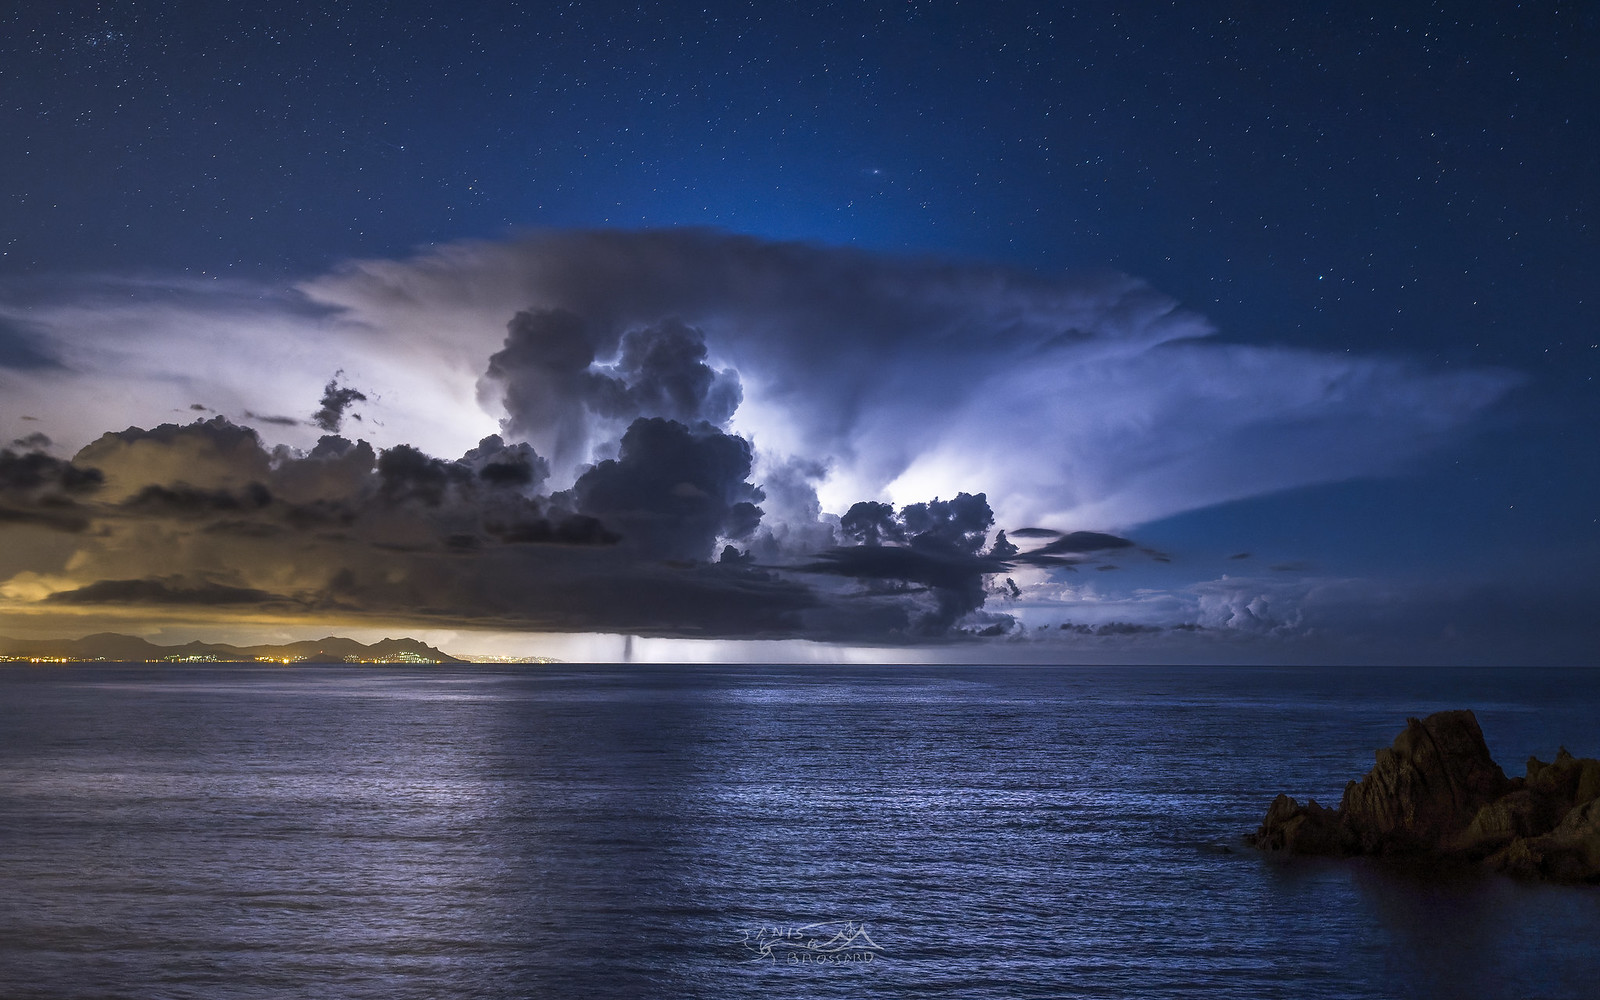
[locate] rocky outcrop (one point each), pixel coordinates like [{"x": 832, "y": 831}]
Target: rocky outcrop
[{"x": 1437, "y": 795}]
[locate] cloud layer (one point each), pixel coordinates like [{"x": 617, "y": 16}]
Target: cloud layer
[{"x": 203, "y": 516}]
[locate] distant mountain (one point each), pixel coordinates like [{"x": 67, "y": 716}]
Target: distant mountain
[{"x": 127, "y": 648}]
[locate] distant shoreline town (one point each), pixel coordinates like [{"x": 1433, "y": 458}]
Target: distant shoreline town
[{"x": 111, "y": 647}]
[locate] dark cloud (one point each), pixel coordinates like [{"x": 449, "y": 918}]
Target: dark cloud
[
  {"x": 36, "y": 473},
  {"x": 959, "y": 525},
  {"x": 283, "y": 421},
  {"x": 503, "y": 466},
  {"x": 336, "y": 401},
  {"x": 43, "y": 491},
  {"x": 572, "y": 529},
  {"x": 544, "y": 373},
  {"x": 674, "y": 490},
  {"x": 335, "y": 472},
  {"x": 1120, "y": 628},
  {"x": 935, "y": 546},
  {"x": 244, "y": 528},
  {"x": 582, "y": 588},
  {"x": 1003, "y": 547},
  {"x": 214, "y": 469},
  {"x": 61, "y": 515},
  {"x": 871, "y": 522},
  {"x": 1067, "y": 550},
  {"x": 558, "y": 397},
  {"x": 656, "y": 599},
  {"x": 186, "y": 501},
  {"x": 331, "y": 446},
  {"x": 1080, "y": 542},
  {"x": 36, "y": 441},
  {"x": 408, "y": 474}
]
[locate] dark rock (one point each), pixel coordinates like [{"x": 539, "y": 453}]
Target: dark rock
[
  {"x": 1520, "y": 813},
  {"x": 1436, "y": 795},
  {"x": 1568, "y": 779},
  {"x": 1302, "y": 829},
  {"x": 1426, "y": 788},
  {"x": 1568, "y": 853},
  {"x": 1572, "y": 849},
  {"x": 1588, "y": 782}
]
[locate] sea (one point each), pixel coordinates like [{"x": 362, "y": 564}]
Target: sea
[{"x": 729, "y": 831}]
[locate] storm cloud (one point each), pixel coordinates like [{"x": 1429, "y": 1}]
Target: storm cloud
[
  {"x": 205, "y": 518},
  {"x": 674, "y": 490},
  {"x": 1078, "y": 399},
  {"x": 557, "y": 398},
  {"x": 675, "y": 433},
  {"x": 938, "y": 545}
]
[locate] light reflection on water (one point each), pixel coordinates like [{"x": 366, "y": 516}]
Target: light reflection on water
[{"x": 506, "y": 832}]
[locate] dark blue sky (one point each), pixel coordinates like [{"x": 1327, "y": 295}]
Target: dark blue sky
[{"x": 1414, "y": 182}]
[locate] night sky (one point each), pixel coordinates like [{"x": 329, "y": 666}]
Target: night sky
[{"x": 1276, "y": 325}]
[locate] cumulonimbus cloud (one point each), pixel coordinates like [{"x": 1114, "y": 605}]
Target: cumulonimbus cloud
[
  {"x": 1093, "y": 400},
  {"x": 658, "y": 395}
]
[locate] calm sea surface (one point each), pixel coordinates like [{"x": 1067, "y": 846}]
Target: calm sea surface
[{"x": 737, "y": 831}]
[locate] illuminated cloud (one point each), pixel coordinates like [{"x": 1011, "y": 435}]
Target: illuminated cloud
[
  {"x": 1093, "y": 400},
  {"x": 659, "y": 433}
]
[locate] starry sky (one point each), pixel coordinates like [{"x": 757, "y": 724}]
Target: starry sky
[{"x": 1272, "y": 328}]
